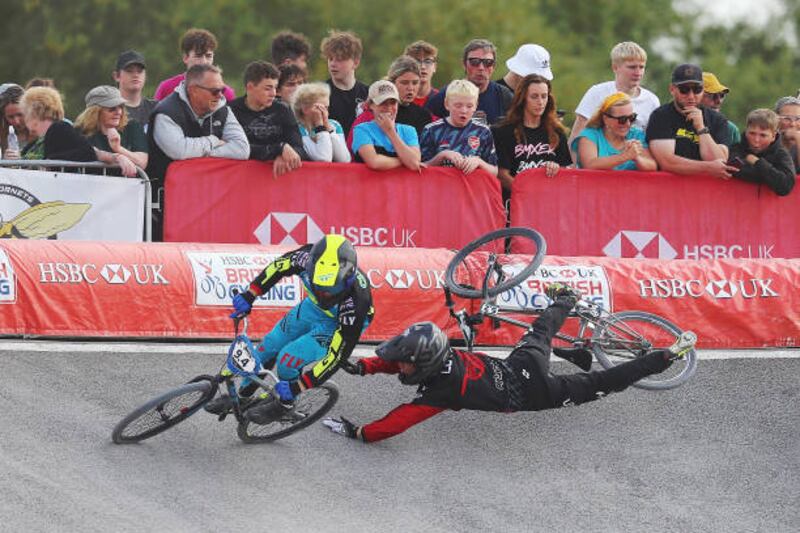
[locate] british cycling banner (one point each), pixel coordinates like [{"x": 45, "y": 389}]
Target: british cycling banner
[
  {"x": 213, "y": 200},
  {"x": 168, "y": 291},
  {"x": 57, "y": 205},
  {"x": 656, "y": 215}
]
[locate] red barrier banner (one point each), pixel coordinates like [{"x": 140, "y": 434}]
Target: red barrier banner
[
  {"x": 122, "y": 290},
  {"x": 655, "y": 215},
  {"x": 213, "y": 200}
]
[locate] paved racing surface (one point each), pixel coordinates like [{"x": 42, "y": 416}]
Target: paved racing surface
[{"x": 722, "y": 453}]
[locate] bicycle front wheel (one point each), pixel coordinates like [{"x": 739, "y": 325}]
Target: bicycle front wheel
[
  {"x": 310, "y": 406},
  {"x": 629, "y": 334},
  {"x": 471, "y": 263},
  {"x": 163, "y": 412}
]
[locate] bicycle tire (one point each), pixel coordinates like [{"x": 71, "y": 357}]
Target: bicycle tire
[
  {"x": 151, "y": 418},
  {"x": 457, "y": 260},
  {"x": 252, "y": 433},
  {"x": 680, "y": 371}
]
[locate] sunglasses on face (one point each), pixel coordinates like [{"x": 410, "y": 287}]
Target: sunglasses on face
[
  {"x": 623, "y": 119},
  {"x": 717, "y": 97},
  {"x": 476, "y": 61},
  {"x": 215, "y": 91},
  {"x": 686, "y": 89}
]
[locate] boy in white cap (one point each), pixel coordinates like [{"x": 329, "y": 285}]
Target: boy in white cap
[{"x": 529, "y": 59}]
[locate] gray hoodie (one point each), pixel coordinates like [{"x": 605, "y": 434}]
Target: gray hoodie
[{"x": 170, "y": 137}]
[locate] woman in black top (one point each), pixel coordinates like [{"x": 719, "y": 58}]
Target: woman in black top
[
  {"x": 531, "y": 135},
  {"x": 44, "y": 117}
]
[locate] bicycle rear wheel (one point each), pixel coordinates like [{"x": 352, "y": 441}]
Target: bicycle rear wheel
[
  {"x": 467, "y": 263},
  {"x": 310, "y": 406},
  {"x": 629, "y": 334},
  {"x": 163, "y": 412}
]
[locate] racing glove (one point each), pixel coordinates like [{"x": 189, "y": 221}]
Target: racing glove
[
  {"x": 356, "y": 369},
  {"x": 341, "y": 426},
  {"x": 284, "y": 391},
  {"x": 242, "y": 304}
]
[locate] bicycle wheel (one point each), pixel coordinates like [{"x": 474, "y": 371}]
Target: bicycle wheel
[
  {"x": 514, "y": 272},
  {"x": 310, "y": 406},
  {"x": 163, "y": 412},
  {"x": 629, "y": 334}
]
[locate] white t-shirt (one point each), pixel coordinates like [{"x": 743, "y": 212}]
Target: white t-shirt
[{"x": 643, "y": 105}]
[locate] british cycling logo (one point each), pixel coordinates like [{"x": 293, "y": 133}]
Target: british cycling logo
[
  {"x": 719, "y": 289},
  {"x": 8, "y": 281},
  {"x": 24, "y": 216},
  {"x": 300, "y": 228}
]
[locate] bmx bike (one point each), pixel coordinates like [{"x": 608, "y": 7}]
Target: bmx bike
[
  {"x": 176, "y": 405},
  {"x": 612, "y": 338}
]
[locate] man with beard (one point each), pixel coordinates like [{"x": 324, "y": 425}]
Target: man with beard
[{"x": 684, "y": 136}]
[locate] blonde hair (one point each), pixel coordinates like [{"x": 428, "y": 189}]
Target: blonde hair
[
  {"x": 461, "y": 88},
  {"x": 627, "y": 51},
  {"x": 43, "y": 103},
  {"x": 763, "y": 118},
  {"x": 307, "y": 94},
  {"x": 341, "y": 45},
  {"x": 89, "y": 120},
  {"x": 613, "y": 100}
]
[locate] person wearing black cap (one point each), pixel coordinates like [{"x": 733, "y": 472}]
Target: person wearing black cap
[
  {"x": 130, "y": 77},
  {"x": 684, "y": 136}
]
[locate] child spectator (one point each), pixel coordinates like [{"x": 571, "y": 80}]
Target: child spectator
[
  {"x": 323, "y": 137},
  {"x": 289, "y": 48},
  {"x": 116, "y": 140},
  {"x": 427, "y": 55},
  {"x": 611, "y": 141},
  {"x": 456, "y": 140},
  {"x": 270, "y": 125},
  {"x": 130, "y": 75},
  {"x": 343, "y": 51},
  {"x": 382, "y": 143},
  {"x": 404, "y": 72},
  {"x": 198, "y": 47},
  {"x": 760, "y": 155},
  {"x": 291, "y": 76}
]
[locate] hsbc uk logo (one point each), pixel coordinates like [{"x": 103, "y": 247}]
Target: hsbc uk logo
[
  {"x": 111, "y": 273},
  {"x": 640, "y": 244},
  {"x": 288, "y": 228},
  {"x": 400, "y": 279},
  {"x": 717, "y": 289}
]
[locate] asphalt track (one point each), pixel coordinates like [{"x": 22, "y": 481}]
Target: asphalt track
[{"x": 722, "y": 453}]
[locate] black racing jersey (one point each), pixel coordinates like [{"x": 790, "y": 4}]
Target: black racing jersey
[
  {"x": 468, "y": 380},
  {"x": 352, "y": 309}
]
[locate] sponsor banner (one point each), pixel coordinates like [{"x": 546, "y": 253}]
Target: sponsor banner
[
  {"x": 88, "y": 289},
  {"x": 214, "y": 200},
  {"x": 658, "y": 216},
  {"x": 217, "y": 276},
  {"x": 56, "y": 205}
]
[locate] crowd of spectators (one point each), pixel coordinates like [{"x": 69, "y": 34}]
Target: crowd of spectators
[{"x": 503, "y": 126}]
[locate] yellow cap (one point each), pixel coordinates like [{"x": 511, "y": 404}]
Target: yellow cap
[{"x": 712, "y": 85}]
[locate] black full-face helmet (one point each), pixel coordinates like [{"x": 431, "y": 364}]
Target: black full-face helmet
[
  {"x": 331, "y": 269},
  {"x": 423, "y": 344}
]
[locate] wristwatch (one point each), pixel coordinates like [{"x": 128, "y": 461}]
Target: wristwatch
[
  {"x": 704, "y": 130},
  {"x": 320, "y": 129}
]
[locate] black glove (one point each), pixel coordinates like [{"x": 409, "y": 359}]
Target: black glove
[
  {"x": 356, "y": 369},
  {"x": 341, "y": 426}
]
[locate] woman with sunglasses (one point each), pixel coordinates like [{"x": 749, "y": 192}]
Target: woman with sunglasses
[
  {"x": 611, "y": 141},
  {"x": 116, "y": 140}
]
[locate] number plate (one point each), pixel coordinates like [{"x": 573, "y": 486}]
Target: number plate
[{"x": 240, "y": 357}]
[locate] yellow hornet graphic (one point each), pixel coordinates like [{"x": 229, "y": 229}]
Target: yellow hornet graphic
[{"x": 43, "y": 220}]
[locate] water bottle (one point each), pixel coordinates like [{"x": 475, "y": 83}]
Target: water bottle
[{"x": 13, "y": 142}]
